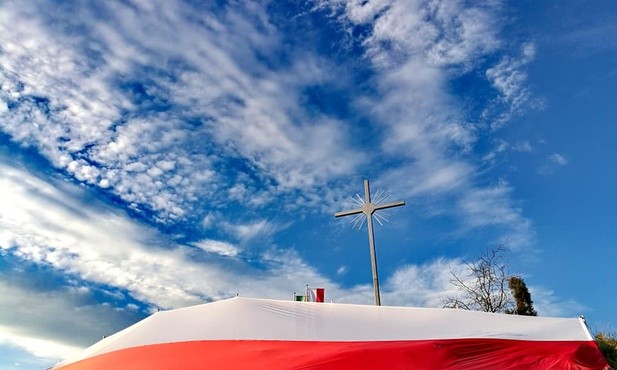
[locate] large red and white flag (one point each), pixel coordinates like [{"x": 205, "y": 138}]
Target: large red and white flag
[{"x": 259, "y": 334}]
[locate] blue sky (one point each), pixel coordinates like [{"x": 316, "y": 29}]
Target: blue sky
[{"x": 158, "y": 154}]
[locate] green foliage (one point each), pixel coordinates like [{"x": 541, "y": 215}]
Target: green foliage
[
  {"x": 522, "y": 297},
  {"x": 608, "y": 346}
]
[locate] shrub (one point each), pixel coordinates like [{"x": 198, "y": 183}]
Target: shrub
[{"x": 608, "y": 346}]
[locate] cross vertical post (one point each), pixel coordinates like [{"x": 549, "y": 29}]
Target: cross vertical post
[
  {"x": 368, "y": 208},
  {"x": 371, "y": 243}
]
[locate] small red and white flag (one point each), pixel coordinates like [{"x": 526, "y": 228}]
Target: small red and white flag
[{"x": 316, "y": 294}]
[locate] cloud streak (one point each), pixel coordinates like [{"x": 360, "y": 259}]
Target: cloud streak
[
  {"x": 104, "y": 103},
  {"x": 509, "y": 78},
  {"x": 416, "y": 48}
]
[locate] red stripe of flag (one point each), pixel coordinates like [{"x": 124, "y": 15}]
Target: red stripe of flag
[{"x": 456, "y": 354}]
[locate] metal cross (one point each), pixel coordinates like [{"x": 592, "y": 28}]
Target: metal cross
[{"x": 368, "y": 209}]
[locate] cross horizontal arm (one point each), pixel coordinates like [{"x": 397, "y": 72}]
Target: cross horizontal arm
[
  {"x": 389, "y": 205},
  {"x": 347, "y": 213}
]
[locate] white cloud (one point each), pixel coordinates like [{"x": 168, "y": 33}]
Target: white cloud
[
  {"x": 500, "y": 147},
  {"x": 523, "y": 146},
  {"x": 552, "y": 163},
  {"x": 426, "y": 285},
  {"x": 247, "y": 231},
  {"x": 219, "y": 247},
  {"x": 45, "y": 226},
  {"x": 444, "y": 32},
  {"x": 209, "y": 221},
  {"x": 492, "y": 206},
  {"x": 48, "y": 349},
  {"x": 558, "y": 159},
  {"x": 295, "y": 155},
  {"x": 510, "y": 79},
  {"x": 237, "y": 192},
  {"x": 547, "y": 303},
  {"x": 411, "y": 45}
]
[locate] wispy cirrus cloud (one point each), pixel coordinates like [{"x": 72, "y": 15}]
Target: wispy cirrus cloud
[
  {"x": 143, "y": 105},
  {"x": 552, "y": 163},
  {"x": 547, "y": 303},
  {"x": 558, "y": 159},
  {"x": 416, "y": 48},
  {"x": 585, "y": 36},
  {"x": 493, "y": 206},
  {"x": 247, "y": 231},
  {"x": 509, "y": 78}
]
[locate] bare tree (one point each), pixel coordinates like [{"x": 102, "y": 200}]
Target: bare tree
[{"x": 485, "y": 288}]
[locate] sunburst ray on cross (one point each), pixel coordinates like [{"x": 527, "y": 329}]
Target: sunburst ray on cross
[{"x": 366, "y": 211}]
